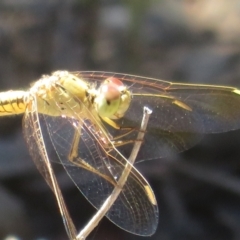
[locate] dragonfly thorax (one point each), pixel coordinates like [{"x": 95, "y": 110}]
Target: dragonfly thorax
[{"x": 61, "y": 93}]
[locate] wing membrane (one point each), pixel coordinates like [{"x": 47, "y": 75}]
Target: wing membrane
[
  {"x": 33, "y": 136},
  {"x": 95, "y": 171},
  {"x": 181, "y": 112}
]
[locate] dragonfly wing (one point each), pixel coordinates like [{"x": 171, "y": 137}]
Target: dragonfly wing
[
  {"x": 96, "y": 167},
  {"x": 216, "y": 106},
  {"x": 181, "y": 112},
  {"x": 171, "y": 129},
  {"x": 134, "y": 210},
  {"x": 38, "y": 151}
]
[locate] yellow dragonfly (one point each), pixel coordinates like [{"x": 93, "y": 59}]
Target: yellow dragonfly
[{"x": 92, "y": 119}]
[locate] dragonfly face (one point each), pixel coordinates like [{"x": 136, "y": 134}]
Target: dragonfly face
[
  {"x": 113, "y": 99},
  {"x": 78, "y": 111}
]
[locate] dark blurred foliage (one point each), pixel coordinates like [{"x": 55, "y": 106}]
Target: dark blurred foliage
[{"x": 187, "y": 41}]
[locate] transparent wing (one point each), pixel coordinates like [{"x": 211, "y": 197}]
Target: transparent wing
[
  {"x": 95, "y": 171},
  {"x": 181, "y": 112},
  {"x": 33, "y": 136}
]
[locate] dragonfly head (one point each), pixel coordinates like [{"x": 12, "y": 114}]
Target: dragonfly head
[{"x": 113, "y": 99}]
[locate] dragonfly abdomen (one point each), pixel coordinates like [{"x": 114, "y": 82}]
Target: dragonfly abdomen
[{"x": 12, "y": 102}]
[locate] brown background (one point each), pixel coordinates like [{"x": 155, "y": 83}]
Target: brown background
[{"x": 187, "y": 41}]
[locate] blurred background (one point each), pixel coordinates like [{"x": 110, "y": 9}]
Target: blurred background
[{"x": 192, "y": 41}]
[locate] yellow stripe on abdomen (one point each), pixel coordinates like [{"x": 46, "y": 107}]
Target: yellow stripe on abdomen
[{"x": 12, "y": 102}]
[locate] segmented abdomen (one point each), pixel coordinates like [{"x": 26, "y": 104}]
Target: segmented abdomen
[{"x": 12, "y": 102}]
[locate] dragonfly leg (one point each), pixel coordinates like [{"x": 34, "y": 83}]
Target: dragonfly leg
[
  {"x": 76, "y": 160},
  {"x": 115, "y": 139},
  {"x": 122, "y": 143},
  {"x": 124, "y": 134},
  {"x": 74, "y": 148},
  {"x": 115, "y": 125}
]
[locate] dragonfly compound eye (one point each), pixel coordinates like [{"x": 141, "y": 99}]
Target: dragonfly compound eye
[
  {"x": 113, "y": 99},
  {"x": 108, "y": 99}
]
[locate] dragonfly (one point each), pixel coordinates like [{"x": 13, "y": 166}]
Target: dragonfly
[{"x": 91, "y": 121}]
